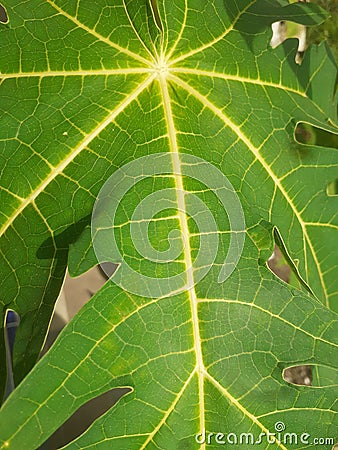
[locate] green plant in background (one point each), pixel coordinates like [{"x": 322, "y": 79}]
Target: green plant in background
[
  {"x": 328, "y": 30},
  {"x": 181, "y": 119}
]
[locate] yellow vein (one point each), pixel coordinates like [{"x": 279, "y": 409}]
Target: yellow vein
[
  {"x": 107, "y": 439},
  {"x": 99, "y": 36},
  {"x": 237, "y": 130},
  {"x": 315, "y": 73},
  {"x": 79, "y": 364},
  {"x": 21, "y": 199},
  {"x": 168, "y": 412},
  {"x": 138, "y": 35},
  {"x": 181, "y": 31},
  {"x": 323, "y": 224},
  {"x": 172, "y": 136},
  {"x": 87, "y": 139},
  {"x": 238, "y": 78},
  {"x": 303, "y": 408},
  {"x": 214, "y": 41},
  {"x": 235, "y": 402},
  {"x": 60, "y": 73},
  {"x": 265, "y": 311},
  {"x": 333, "y": 128}
]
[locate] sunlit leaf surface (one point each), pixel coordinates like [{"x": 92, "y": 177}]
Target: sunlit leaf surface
[{"x": 88, "y": 87}]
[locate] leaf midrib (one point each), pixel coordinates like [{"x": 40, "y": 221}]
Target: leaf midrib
[
  {"x": 255, "y": 151},
  {"x": 152, "y": 75},
  {"x": 173, "y": 146},
  {"x": 90, "y": 136}
]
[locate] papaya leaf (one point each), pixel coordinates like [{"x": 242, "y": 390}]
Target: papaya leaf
[{"x": 160, "y": 135}]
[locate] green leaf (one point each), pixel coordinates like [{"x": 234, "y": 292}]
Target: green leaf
[{"x": 193, "y": 91}]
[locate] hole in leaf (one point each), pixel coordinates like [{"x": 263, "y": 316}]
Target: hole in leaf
[
  {"x": 107, "y": 269},
  {"x": 76, "y": 292},
  {"x": 315, "y": 375},
  {"x": 279, "y": 33},
  {"x": 283, "y": 30},
  {"x": 3, "y": 15},
  {"x": 299, "y": 375},
  {"x": 332, "y": 188},
  {"x": 310, "y": 135},
  {"x": 282, "y": 265},
  {"x": 12, "y": 321},
  {"x": 278, "y": 265},
  {"x": 81, "y": 420}
]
